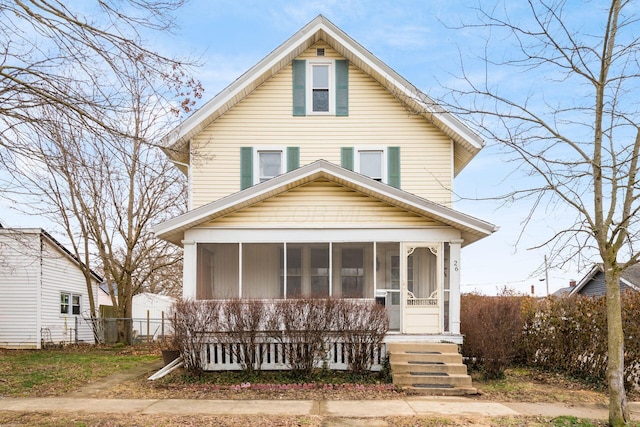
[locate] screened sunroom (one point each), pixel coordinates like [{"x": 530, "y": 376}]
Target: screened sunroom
[{"x": 323, "y": 231}]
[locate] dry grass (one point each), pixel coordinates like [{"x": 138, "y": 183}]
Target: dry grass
[
  {"x": 532, "y": 385},
  {"x": 525, "y": 385}
]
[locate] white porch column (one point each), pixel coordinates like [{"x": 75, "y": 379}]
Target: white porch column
[
  {"x": 454, "y": 286},
  {"x": 189, "y": 269},
  {"x": 240, "y": 270}
]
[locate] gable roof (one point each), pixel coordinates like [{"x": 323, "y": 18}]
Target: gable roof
[
  {"x": 472, "y": 228},
  {"x": 629, "y": 277},
  {"x": 466, "y": 142},
  {"x": 57, "y": 245}
]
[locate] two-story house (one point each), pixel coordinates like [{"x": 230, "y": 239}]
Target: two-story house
[{"x": 322, "y": 172}]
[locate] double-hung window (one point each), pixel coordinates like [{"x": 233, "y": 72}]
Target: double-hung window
[
  {"x": 372, "y": 164},
  {"x": 260, "y": 164},
  {"x": 379, "y": 163},
  {"x": 320, "y": 87},
  {"x": 270, "y": 164},
  {"x": 70, "y": 303},
  {"x": 321, "y": 95}
]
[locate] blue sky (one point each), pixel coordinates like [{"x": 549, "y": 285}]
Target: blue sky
[{"x": 229, "y": 36}]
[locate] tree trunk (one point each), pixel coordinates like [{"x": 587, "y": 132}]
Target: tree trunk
[{"x": 618, "y": 409}]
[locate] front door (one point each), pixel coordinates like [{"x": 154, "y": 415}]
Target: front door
[{"x": 421, "y": 275}]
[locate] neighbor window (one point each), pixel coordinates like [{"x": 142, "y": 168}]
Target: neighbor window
[{"x": 70, "y": 303}]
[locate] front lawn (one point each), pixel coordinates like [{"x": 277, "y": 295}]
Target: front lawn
[{"x": 37, "y": 373}]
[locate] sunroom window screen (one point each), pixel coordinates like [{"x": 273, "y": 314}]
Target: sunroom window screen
[
  {"x": 352, "y": 273},
  {"x": 320, "y": 272},
  {"x": 294, "y": 272}
]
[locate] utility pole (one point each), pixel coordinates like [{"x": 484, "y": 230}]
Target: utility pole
[{"x": 546, "y": 274}]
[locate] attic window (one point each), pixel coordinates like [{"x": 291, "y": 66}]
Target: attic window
[
  {"x": 321, "y": 87},
  {"x": 320, "y": 51}
]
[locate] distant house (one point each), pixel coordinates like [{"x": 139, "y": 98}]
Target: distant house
[
  {"x": 155, "y": 306},
  {"x": 104, "y": 298},
  {"x": 43, "y": 293},
  {"x": 152, "y": 310},
  {"x": 593, "y": 283},
  {"x": 563, "y": 292}
]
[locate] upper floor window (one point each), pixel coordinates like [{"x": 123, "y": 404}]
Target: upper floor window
[
  {"x": 270, "y": 164},
  {"x": 319, "y": 87},
  {"x": 260, "y": 164},
  {"x": 379, "y": 163},
  {"x": 371, "y": 163}
]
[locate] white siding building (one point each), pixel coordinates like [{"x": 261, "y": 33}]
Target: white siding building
[{"x": 43, "y": 292}]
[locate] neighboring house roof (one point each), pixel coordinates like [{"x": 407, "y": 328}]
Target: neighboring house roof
[
  {"x": 472, "y": 228},
  {"x": 629, "y": 278},
  {"x": 563, "y": 291},
  {"x": 54, "y": 243},
  {"x": 467, "y": 143}
]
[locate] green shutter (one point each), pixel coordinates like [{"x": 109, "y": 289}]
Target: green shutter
[
  {"x": 293, "y": 158},
  {"x": 246, "y": 167},
  {"x": 299, "y": 80},
  {"x": 393, "y": 166},
  {"x": 342, "y": 88},
  {"x": 346, "y": 157}
]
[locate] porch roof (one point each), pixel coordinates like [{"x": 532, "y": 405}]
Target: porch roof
[{"x": 472, "y": 229}]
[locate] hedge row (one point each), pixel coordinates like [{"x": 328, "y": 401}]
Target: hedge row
[{"x": 568, "y": 334}]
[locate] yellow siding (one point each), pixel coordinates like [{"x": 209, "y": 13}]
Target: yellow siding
[
  {"x": 323, "y": 204},
  {"x": 376, "y": 118}
]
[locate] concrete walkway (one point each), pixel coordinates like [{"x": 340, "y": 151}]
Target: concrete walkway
[
  {"x": 83, "y": 400},
  {"x": 413, "y": 406}
]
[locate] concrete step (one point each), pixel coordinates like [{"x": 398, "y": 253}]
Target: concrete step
[
  {"x": 451, "y": 369},
  {"x": 429, "y": 368},
  {"x": 404, "y": 347},
  {"x": 453, "y": 358},
  {"x": 432, "y": 379}
]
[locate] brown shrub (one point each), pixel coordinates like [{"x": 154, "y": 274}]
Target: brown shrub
[
  {"x": 303, "y": 328},
  {"x": 243, "y": 327},
  {"x": 492, "y": 327},
  {"x": 192, "y": 321},
  {"x": 364, "y": 326},
  {"x": 570, "y": 334}
]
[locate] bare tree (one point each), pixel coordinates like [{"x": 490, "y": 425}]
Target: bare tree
[
  {"x": 572, "y": 122},
  {"x": 68, "y": 58},
  {"x": 105, "y": 191}
]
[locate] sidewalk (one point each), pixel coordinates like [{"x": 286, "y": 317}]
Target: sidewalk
[{"x": 414, "y": 406}]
